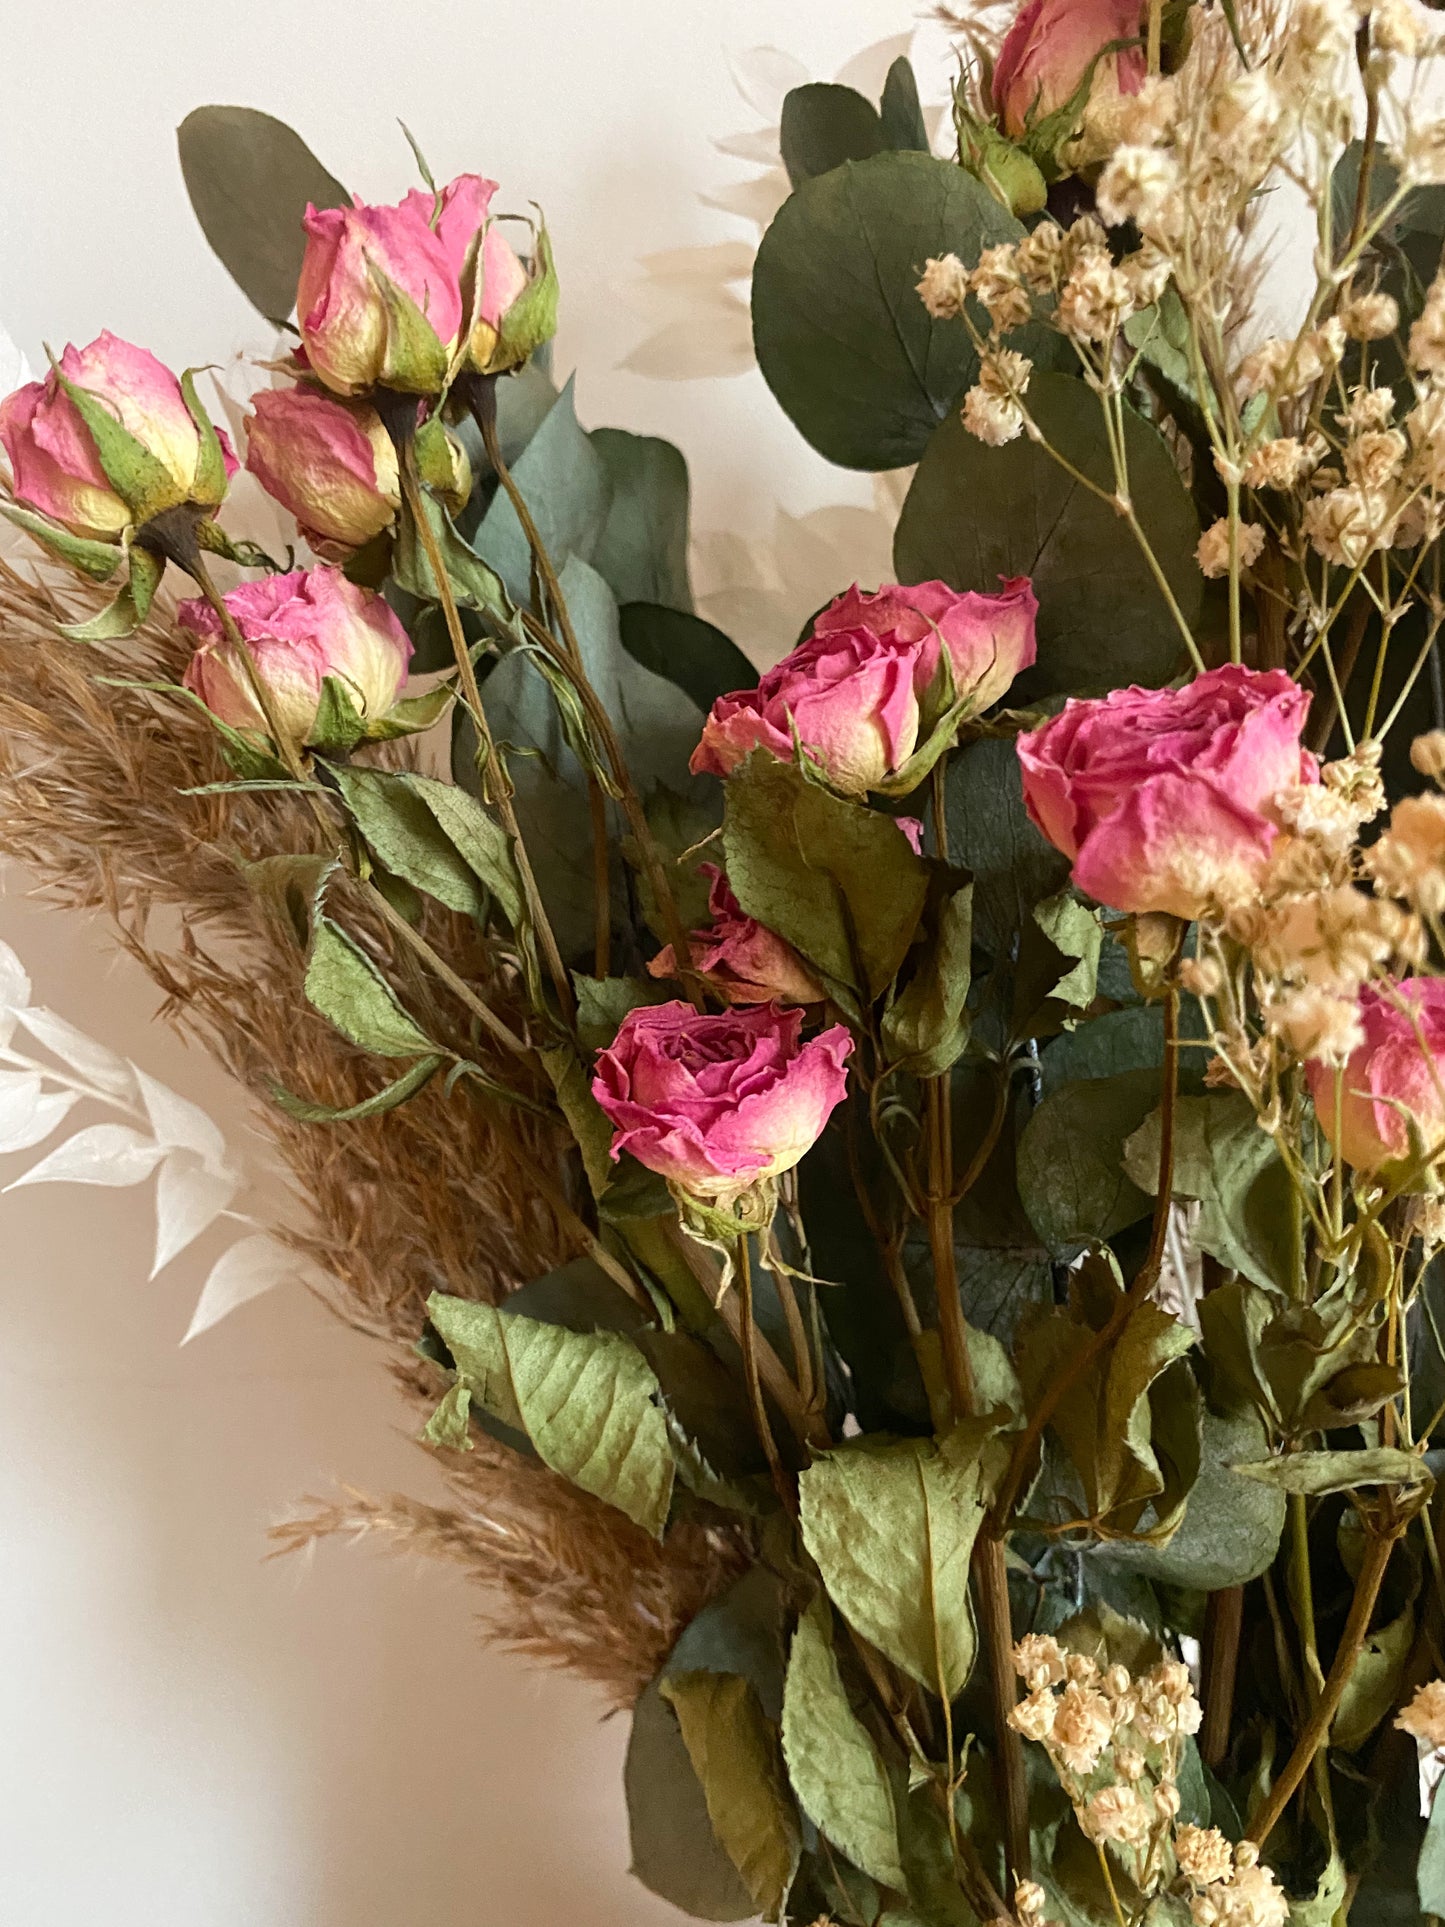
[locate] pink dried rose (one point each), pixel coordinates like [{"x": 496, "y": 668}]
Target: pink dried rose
[
  {"x": 1396, "y": 1075},
  {"x": 1164, "y": 798},
  {"x": 331, "y": 463},
  {"x": 300, "y": 628},
  {"x": 1049, "y": 50},
  {"x": 990, "y": 639},
  {"x": 357, "y": 258},
  {"x": 53, "y": 458},
  {"x": 718, "y": 1104},
  {"x": 743, "y": 961}
]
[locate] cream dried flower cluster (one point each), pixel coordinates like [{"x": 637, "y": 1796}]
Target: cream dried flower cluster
[{"x": 1424, "y": 1718}]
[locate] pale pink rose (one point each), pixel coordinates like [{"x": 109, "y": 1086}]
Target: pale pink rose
[
  {"x": 330, "y": 462},
  {"x": 341, "y": 307},
  {"x": 1164, "y": 798},
  {"x": 300, "y": 628},
  {"x": 1390, "y": 1078},
  {"x": 743, "y": 961},
  {"x": 52, "y": 457},
  {"x": 719, "y": 1103},
  {"x": 989, "y": 638},
  {"x": 1049, "y": 49},
  {"x": 850, "y": 696}
]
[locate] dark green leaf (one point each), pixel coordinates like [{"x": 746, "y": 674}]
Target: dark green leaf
[
  {"x": 675, "y": 1852},
  {"x": 734, "y": 1753},
  {"x": 976, "y": 513},
  {"x": 741, "y": 1631},
  {"x": 586, "y": 1400},
  {"x": 902, "y": 117},
  {"x": 926, "y": 1028},
  {"x": 1223, "y": 1158},
  {"x": 1071, "y": 1159},
  {"x": 990, "y": 834},
  {"x": 1232, "y": 1526},
  {"x": 836, "y": 879},
  {"x": 603, "y": 1002},
  {"x": 842, "y": 338},
  {"x": 581, "y": 1296},
  {"x": 840, "y": 1781},
  {"x": 345, "y": 986},
  {"x": 701, "y": 660},
  {"x": 641, "y": 551},
  {"x": 250, "y": 178},
  {"x": 565, "y": 483},
  {"x": 824, "y": 125}
]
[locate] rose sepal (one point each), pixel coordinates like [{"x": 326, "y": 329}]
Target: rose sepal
[
  {"x": 501, "y": 347},
  {"x": 415, "y": 357},
  {"x": 211, "y": 480},
  {"x": 93, "y": 558},
  {"x": 143, "y": 483},
  {"x": 340, "y": 726},
  {"x": 1008, "y": 171}
]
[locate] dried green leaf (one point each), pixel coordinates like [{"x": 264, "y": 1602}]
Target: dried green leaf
[{"x": 345, "y": 986}]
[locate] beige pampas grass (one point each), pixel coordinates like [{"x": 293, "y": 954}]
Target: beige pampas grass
[{"x": 454, "y": 1194}]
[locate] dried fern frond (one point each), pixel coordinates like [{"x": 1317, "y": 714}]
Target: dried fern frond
[{"x": 455, "y": 1194}]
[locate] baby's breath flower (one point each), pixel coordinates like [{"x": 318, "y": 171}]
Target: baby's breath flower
[
  {"x": 1426, "y": 350},
  {"x": 1328, "y": 341},
  {"x": 1373, "y": 460},
  {"x": 1315, "y": 1023},
  {"x": 1035, "y": 1716},
  {"x": 999, "y": 287},
  {"x": 1039, "y": 1661},
  {"x": 993, "y": 419},
  {"x": 944, "y": 287},
  {"x": 1427, "y": 754},
  {"x": 1083, "y": 1726},
  {"x": 1147, "y": 272},
  {"x": 1135, "y": 185},
  {"x": 1129, "y": 1764},
  {"x": 1346, "y": 524},
  {"x": 1201, "y": 976},
  {"x": 1422, "y": 153},
  {"x": 1281, "y": 368},
  {"x": 1040, "y": 257},
  {"x": 1203, "y": 1854},
  {"x": 1166, "y": 1800},
  {"x": 1005, "y": 372},
  {"x": 1278, "y": 464},
  {"x": 1367, "y": 409},
  {"x": 1370, "y": 317},
  {"x": 1212, "y": 553},
  {"x": 1095, "y": 299},
  {"x": 1409, "y": 859},
  {"x": 1116, "y": 1813},
  {"x": 1424, "y": 1717},
  {"x": 1030, "y": 1898}
]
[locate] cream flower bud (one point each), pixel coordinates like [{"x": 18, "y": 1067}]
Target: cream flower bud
[
  {"x": 944, "y": 287},
  {"x": 992, "y": 419},
  {"x": 1135, "y": 185},
  {"x": 1370, "y": 317},
  {"x": 1212, "y": 553}
]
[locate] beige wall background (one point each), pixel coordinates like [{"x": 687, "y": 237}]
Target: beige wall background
[{"x": 191, "y": 1734}]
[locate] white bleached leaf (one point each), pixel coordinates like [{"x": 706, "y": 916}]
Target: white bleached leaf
[
  {"x": 112, "y": 1154},
  {"x": 250, "y": 1267},
  {"x": 28, "y": 1112},
  {"x": 106, "y": 1069},
  {"x": 759, "y": 146},
  {"x": 687, "y": 351},
  {"x": 764, "y": 76},
  {"x": 189, "y": 1197},
  {"x": 181, "y": 1125},
  {"x": 14, "y": 991}
]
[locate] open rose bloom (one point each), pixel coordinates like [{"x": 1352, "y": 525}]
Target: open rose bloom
[
  {"x": 1164, "y": 799},
  {"x": 744, "y": 962},
  {"x": 719, "y": 1104},
  {"x": 1054, "y": 46}
]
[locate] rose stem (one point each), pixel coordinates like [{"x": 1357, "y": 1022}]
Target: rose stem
[
  {"x": 499, "y": 785},
  {"x": 481, "y": 398},
  {"x": 990, "y": 1568},
  {"x": 1317, "y": 1727},
  {"x": 747, "y": 1338},
  {"x": 1224, "y": 1618},
  {"x": 189, "y": 559}
]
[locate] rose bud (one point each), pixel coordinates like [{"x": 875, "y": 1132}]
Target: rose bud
[
  {"x": 719, "y": 1104},
  {"x": 507, "y": 326},
  {"x": 989, "y": 638},
  {"x": 330, "y": 463},
  {"x": 1390, "y": 1080},
  {"x": 379, "y": 300},
  {"x": 300, "y": 629},
  {"x": 1048, "y": 53},
  {"x": 850, "y": 695},
  {"x": 56, "y": 462},
  {"x": 744, "y": 962},
  {"x": 1164, "y": 798}
]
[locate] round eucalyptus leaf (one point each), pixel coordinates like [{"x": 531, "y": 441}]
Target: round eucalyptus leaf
[
  {"x": 843, "y": 340},
  {"x": 976, "y": 513}
]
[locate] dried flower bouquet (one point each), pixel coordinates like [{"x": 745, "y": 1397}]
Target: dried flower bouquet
[{"x": 911, "y": 1190}]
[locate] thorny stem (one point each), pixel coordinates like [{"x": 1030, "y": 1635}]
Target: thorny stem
[
  {"x": 497, "y": 784},
  {"x": 1148, "y": 1276}
]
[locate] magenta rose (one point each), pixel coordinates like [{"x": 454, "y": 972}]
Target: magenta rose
[
  {"x": 1390, "y": 1078},
  {"x": 330, "y": 462},
  {"x": 53, "y": 457},
  {"x": 743, "y": 961},
  {"x": 357, "y": 257},
  {"x": 989, "y": 638},
  {"x": 300, "y": 629},
  {"x": 850, "y": 695},
  {"x": 718, "y": 1104},
  {"x": 1164, "y": 798},
  {"x": 1048, "y": 52}
]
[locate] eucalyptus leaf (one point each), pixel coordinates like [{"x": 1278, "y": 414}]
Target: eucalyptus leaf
[
  {"x": 1224, "y": 1159},
  {"x": 926, "y": 1029},
  {"x": 1430, "y": 1875},
  {"x": 899, "y": 109},
  {"x": 734, "y": 1753},
  {"x": 675, "y": 1852},
  {"x": 1314, "y": 1473},
  {"x": 700, "y": 659},
  {"x": 1071, "y": 1159},
  {"x": 843, "y": 340},
  {"x": 564, "y": 481},
  {"x": 586, "y": 1400},
  {"x": 975, "y": 514},
  {"x": 841, "y": 1783},
  {"x": 989, "y": 832},
  {"x": 892, "y": 1527},
  {"x": 1232, "y": 1526},
  {"x": 824, "y": 125},
  {"x": 641, "y": 548},
  {"x": 250, "y": 178}
]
